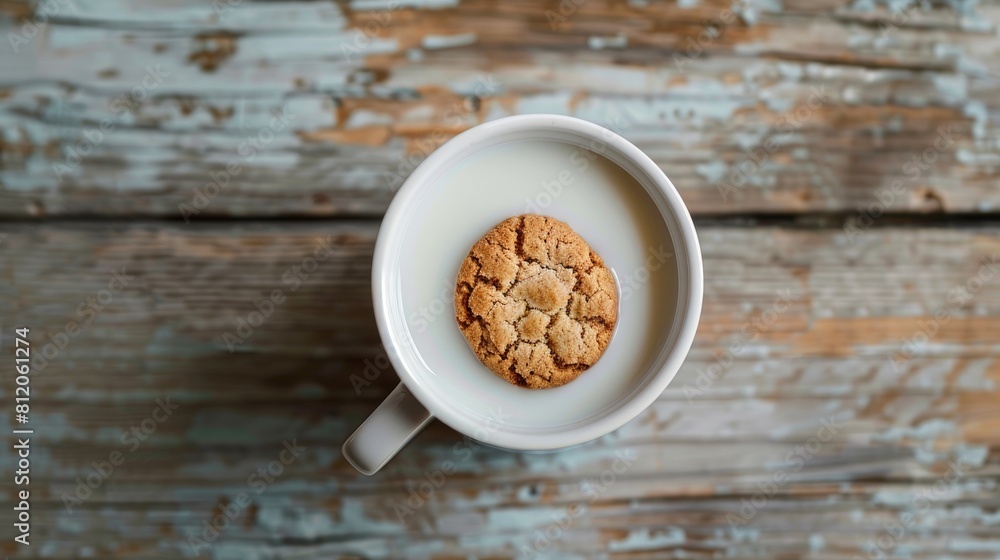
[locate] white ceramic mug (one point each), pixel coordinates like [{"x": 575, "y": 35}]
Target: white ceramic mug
[{"x": 420, "y": 397}]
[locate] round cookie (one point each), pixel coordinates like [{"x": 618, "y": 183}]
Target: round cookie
[{"x": 535, "y": 302}]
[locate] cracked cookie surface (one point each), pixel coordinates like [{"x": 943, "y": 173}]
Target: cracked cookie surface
[{"x": 535, "y": 302}]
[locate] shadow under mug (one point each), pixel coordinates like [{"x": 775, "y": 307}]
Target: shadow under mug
[{"x": 413, "y": 403}]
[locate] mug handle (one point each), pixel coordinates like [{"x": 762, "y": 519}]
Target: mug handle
[{"x": 386, "y": 431}]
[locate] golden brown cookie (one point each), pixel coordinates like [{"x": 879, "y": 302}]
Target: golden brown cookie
[{"x": 535, "y": 302}]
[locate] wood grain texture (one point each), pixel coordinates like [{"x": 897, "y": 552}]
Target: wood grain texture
[
  {"x": 373, "y": 89},
  {"x": 695, "y": 457},
  {"x": 823, "y": 411}
]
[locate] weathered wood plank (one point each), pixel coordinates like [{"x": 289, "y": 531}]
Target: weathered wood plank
[
  {"x": 702, "y": 449},
  {"x": 795, "y": 533},
  {"x": 848, "y": 301},
  {"x": 890, "y": 85},
  {"x": 697, "y": 455}
]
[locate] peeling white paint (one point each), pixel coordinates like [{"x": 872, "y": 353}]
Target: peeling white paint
[
  {"x": 596, "y": 42},
  {"x": 433, "y": 42},
  {"x": 713, "y": 171},
  {"x": 980, "y": 116},
  {"x": 644, "y": 539},
  {"x": 375, "y": 5},
  {"x": 816, "y": 542},
  {"x": 967, "y": 545}
]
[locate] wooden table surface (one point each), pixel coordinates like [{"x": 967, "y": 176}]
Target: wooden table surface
[{"x": 860, "y": 419}]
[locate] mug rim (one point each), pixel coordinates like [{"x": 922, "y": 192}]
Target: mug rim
[{"x": 387, "y": 248}]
